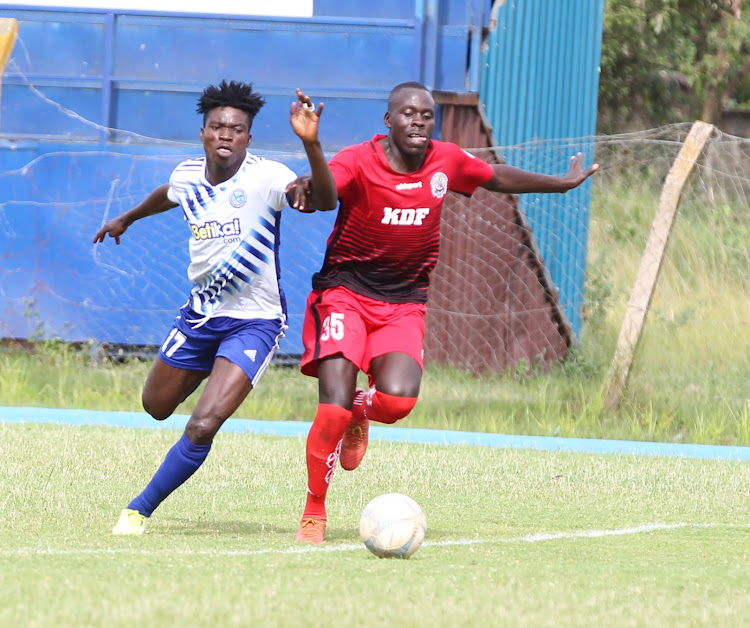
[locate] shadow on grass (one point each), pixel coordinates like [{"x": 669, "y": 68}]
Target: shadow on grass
[{"x": 207, "y": 527}]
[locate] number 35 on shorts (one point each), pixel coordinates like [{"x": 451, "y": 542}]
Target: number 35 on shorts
[{"x": 333, "y": 327}]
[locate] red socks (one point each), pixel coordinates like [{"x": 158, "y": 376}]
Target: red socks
[
  {"x": 377, "y": 406},
  {"x": 324, "y": 440},
  {"x": 323, "y": 448}
]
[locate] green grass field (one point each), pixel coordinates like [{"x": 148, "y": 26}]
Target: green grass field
[{"x": 514, "y": 537}]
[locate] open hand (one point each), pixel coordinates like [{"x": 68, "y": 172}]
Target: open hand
[
  {"x": 304, "y": 117},
  {"x": 576, "y": 174}
]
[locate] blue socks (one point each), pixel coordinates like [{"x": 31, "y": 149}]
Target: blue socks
[{"x": 180, "y": 463}]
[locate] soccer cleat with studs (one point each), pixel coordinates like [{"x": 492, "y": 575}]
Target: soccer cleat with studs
[
  {"x": 311, "y": 531},
  {"x": 130, "y": 522},
  {"x": 354, "y": 443}
]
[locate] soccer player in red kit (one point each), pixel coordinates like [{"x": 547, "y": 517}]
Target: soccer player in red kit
[{"x": 367, "y": 307}]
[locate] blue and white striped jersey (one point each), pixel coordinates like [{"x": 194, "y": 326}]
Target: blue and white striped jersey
[{"x": 234, "y": 242}]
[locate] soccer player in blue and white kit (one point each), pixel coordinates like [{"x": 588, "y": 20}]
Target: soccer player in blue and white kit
[{"x": 236, "y": 312}]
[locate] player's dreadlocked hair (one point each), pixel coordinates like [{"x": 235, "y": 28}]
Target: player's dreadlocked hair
[
  {"x": 233, "y": 94},
  {"x": 402, "y": 86}
]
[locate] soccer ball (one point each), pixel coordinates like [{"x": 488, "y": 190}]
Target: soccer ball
[{"x": 393, "y": 526}]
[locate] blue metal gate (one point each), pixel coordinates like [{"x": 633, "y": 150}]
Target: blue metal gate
[{"x": 539, "y": 84}]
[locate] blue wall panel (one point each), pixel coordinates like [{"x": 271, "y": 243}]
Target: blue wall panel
[
  {"x": 267, "y": 52},
  {"x": 468, "y": 12},
  {"x": 155, "y": 114},
  {"x": 59, "y": 43},
  {"x": 395, "y": 9},
  {"x": 37, "y": 117},
  {"x": 135, "y": 110},
  {"x": 450, "y": 69}
]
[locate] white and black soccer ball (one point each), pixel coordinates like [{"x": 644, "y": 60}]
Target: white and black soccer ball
[{"x": 393, "y": 526}]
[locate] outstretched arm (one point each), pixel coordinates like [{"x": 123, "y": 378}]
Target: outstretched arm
[
  {"x": 304, "y": 119},
  {"x": 517, "y": 181},
  {"x": 155, "y": 203}
]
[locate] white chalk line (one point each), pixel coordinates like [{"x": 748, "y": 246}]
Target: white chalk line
[{"x": 308, "y": 549}]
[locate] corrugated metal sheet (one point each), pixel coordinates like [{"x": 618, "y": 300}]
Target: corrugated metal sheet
[
  {"x": 490, "y": 307},
  {"x": 539, "y": 80},
  {"x": 492, "y": 303}
]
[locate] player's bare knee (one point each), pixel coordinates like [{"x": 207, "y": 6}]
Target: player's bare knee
[
  {"x": 400, "y": 389},
  {"x": 156, "y": 410},
  {"x": 201, "y": 430}
]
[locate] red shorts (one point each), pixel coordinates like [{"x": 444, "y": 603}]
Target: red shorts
[{"x": 338, "y": 320}]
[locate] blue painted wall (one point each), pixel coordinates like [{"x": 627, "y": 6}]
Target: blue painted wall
[
  {"x": 141, "y": 72},
  {"x": 63, "y": 172},
  {"x": 98, "y": 107}
]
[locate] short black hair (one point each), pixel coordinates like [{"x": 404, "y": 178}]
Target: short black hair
[
  {"x": 402, "y": 86},
  {"x": 233, "y": 94}
]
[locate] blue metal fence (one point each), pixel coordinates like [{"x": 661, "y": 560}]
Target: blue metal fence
[{"x": 539, "y": 81}]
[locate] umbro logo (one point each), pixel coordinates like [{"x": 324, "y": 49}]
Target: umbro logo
[{"x": 251, "y": 353}]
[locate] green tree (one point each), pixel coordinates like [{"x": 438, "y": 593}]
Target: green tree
[
  {"x": 718, "y": 33},
  {"x": 630, "y": 85},
  {"x": 664, "y": 60}
]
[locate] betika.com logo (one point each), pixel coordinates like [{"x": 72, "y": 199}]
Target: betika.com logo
[{"x": 214, "y": 229}]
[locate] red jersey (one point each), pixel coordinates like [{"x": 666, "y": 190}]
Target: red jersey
[{"x": 386, "y": 239}]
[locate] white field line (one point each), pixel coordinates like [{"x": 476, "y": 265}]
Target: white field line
[{"x": 307, "y": 549}]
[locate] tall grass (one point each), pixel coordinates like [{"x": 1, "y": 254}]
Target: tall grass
[{"x": 691, "y": 377}]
